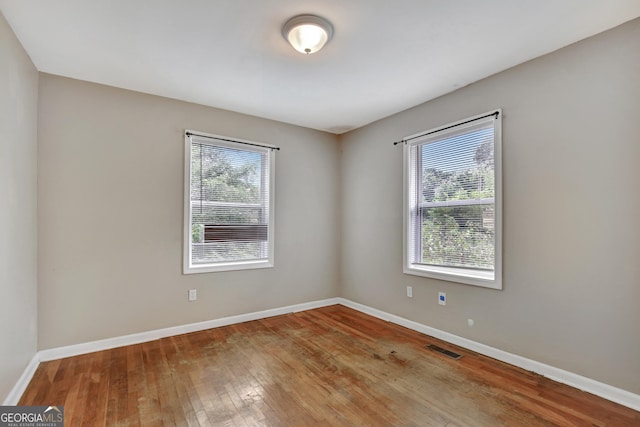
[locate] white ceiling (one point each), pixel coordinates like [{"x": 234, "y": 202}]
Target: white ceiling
[{"x": 385, "y": 56}]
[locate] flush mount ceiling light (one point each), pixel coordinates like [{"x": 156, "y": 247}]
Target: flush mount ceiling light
[{"x": 307, "y": 33}]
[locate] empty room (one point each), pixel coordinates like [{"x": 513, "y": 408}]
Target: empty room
[{"x": 320, "y": 213}]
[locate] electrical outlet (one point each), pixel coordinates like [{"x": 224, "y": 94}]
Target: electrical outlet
[
  {"x": 410, "y": 291},
  {"x": 442, "y": 298},
  {"x": 193, "y": 294}
]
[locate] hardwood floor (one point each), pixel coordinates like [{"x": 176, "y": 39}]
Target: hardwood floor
[{"x": 331, "y": 366}]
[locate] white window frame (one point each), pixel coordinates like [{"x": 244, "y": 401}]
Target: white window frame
[
  {"x": 452, "y": 274},
  {"x": 235, "y": 143}
]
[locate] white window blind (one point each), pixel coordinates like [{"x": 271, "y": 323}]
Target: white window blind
[
  {"x": 229, "y": 207},
  {"x": 452, "y": 203}
]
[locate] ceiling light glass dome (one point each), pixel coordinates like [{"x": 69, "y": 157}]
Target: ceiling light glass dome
[{"x": 307, "y": 33}]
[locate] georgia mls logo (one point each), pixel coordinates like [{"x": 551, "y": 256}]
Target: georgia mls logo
[{"x": 31, "y": 416}]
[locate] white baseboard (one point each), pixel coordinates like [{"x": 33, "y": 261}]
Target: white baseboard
[
  {"x": 15, "y": 394},
  {"x": 605, "y": 391},
  {"x": 614, "y": 394}
]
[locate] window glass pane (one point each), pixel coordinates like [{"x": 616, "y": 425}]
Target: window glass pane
[
  {"x": 224, "y": 174},
  {"x": 229, "y": 204},
  {"x": 459, "y": 236},
  {"x": 458, "y": 167},
  {"x": 456, "y": 188},
  {"x": 225, "y": 251}
]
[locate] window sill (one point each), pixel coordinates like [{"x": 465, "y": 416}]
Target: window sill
[
  {"x": 227, "y": 266},
  {"x": 485, "y": 279}
]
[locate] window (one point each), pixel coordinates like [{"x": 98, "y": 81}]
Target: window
[
  {"x": 453, "y": 204},
  {"x": 228, "y": 204}
]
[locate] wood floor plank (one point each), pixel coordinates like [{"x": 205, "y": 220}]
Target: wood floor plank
[{"x": 332, "y": 366}]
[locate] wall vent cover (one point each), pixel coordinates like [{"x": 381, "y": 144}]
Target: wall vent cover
[{"x": 444, "y": 351}]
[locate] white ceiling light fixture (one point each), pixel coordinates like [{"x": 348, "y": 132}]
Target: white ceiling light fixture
[{"x": 307, "y": 33}]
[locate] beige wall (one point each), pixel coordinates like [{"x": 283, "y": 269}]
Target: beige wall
[
  {"x": 18, "y": 241},
  {"x": 571, "y": 146},
  {"x": 110, "y": 212}
]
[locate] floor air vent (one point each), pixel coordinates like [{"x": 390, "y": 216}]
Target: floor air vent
[{"x": 446, "y": 352}]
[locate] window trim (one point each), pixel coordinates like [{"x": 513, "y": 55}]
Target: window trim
[
  {"x": 452, "y": 274},
  {"x": 224, "y": 141}
]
